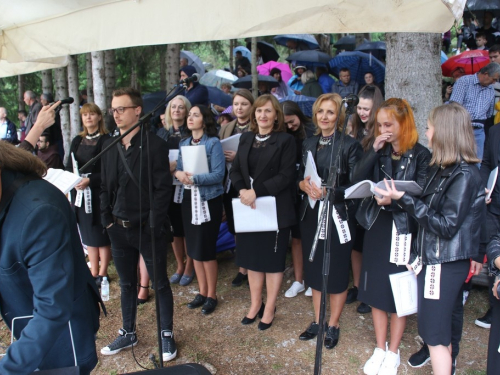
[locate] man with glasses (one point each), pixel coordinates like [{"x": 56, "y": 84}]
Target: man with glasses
[{"x": 125, "y": 214}]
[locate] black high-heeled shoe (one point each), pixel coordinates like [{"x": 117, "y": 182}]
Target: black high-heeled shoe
[
  {"x": 263, "y": 326},
  {"x": 245, "y": 321},
  {"x": 142, "y": 301}
]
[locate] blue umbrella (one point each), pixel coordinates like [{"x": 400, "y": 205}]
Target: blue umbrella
[
  {"x": 194, "y": 61},
  {"x": 377, "y": 49},
  {"x": 309, "y": 59},
  {"x": 443, "y": 57},
  {"x": 246, "y": 82},
  {"x": 219, "y": 97},
  {"x": 347, "y": 43},
  {"x": 359, "y": 64},
  {"x": 304, "y": 41},
  {"x": 244, "y": 51},
  {"x": 305, "y": 103}
]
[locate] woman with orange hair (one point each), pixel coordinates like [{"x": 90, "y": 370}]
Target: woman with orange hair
[{"x": 395, "y": 154}]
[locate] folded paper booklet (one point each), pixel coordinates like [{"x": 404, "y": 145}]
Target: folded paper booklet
[
  {"x": 492, "y": 180},
  {"x": 404, "y": 290},
  {"x": 61, "y": 179},
  {"x": 173, "y": 155},
  {"x": 261, "y": 219},
  {"x": 194, "y": 159},
  {"x": 231, "y": 143},
  {"x": 312, "y": 172},
  {"x": 366, "y": 188}
]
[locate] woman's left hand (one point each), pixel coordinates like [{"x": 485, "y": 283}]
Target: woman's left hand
[
  {"x": 390, "y": 192},
  {"x": 247, "y": 197},
  {"x": 83, "y": 184},
  {"x": 494, "y": 289}
]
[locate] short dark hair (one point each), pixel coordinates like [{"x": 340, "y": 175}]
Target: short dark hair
[
  {"x": 494, "y": 48},
  {"x": 344, "y": 70},
  {"x": 47, "y": 137},
  {"x": 132, "y": 93},
  {"x": 208, "y": 121},
  {"x": 23, "y": 112},
  {"x": 480, "y": 35}
]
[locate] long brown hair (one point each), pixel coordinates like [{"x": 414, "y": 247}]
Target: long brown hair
[
  {"x": 335, "y": 98},
  {"x": 453, "y": 138},
  {"x": 19, "y": 160},
  {"x": 279, "y": 124},
  {"x": 374, "y": 94},
  {"x": 401, "y": 111},
  {"x": 92, "y": 108}
]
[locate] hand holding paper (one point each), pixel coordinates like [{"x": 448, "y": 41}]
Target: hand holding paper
[{"x": 390, "y": 191}]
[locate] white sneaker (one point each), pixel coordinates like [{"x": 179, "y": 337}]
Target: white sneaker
[
  {"x": 372, "y": 366},
  {"x": 391, "y": 364},
  {"x": 295, "y": 289},
  {"x": 309, "y": 292}
]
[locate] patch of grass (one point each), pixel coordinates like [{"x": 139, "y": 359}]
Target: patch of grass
[
  {"x": 354, "y": 361},
  {"x": 113, "y": 372},
  {"x": 277, "y": 366}
]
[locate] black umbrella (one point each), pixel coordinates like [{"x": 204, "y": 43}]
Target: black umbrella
[
  {"x": 309, "y": 57},
  {"x": 347, "y": 43},
  {"x": 377, "y": 49},
  {"x": 305, "y": 41},
  {"x": 246, "y": 82},
  {"x": 219, "y": 97},
  {"x": 267, "y": 51}
]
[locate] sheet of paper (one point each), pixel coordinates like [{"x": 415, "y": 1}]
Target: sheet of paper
[
  {"x": 362, "y": 189},
  {"x": 173, "y": 155},
  {"x": 261, "y": 219},
  {"x": 404, "y": 289},
  {"x": 75, "y": 165},
  {"x": 194, "y": 159},
  {"x": 63, "y": 180},
  {"x": 231, "y": 143},
  {"x": 313, "y": 172},
  {"x": 492, "y": 180}
]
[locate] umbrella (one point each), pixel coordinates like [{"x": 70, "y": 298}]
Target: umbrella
[
  {"x": 347, "y": 43},
  {"x": 482, "y": 5},
  {"x": 443, "y": 57},
  {"x": 246, "y": 82},
  {"x": 303, "y": 40},
  {"x": 304, "y": 57},
  {"x": 305, "y": 103},
  {"x": 217, "y": 77},
  {"x": 359, "y": 64},
  {"x": 219, "y": 97},
  {"x": 194, "y": 61},
  {"x": 377, "y": 49},
  {"x": 265, "y": 69},
  {"x": 470, "y": 61},
  {"x": 267, "y": 51},
  {"x": 244, "y": 51}
]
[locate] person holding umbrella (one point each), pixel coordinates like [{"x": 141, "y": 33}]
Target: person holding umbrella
[
  {"x": 282, "y": 90},
  {"x": 295, "y": 83},
  {"x": 311, "y": 86},
  {"x": 195, "y": 93}
]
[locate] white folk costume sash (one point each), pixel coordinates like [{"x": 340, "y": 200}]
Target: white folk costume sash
[
  {"x": 342, "y": 227},
  {"x": 178, "y": 194},
  {"x": 199, "y": 209},
  {"x": 416, "y": 265},
  {"x": 432, "y": 281},
  {"x": 324, "y": 223},
  {"x": 87, "y": 195},
  {"x": 400, "y": 247}
]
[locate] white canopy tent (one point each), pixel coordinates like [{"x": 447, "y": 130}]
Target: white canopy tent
[
  {"x": 12, "y": 69},
  {"x": 31, "y": 30}
]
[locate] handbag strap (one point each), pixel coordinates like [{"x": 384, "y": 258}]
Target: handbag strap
[{"x": 127, "y": 168}]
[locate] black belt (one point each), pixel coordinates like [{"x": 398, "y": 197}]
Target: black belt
[
  {"x": 475, "y": 124},
  {"x": 122, "y": 223}
]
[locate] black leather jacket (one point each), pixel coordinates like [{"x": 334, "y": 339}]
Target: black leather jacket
[
  {"x": 493, "y": 251},
  {"x": 351, "y": 153},
  {"x": 449, "y": 213},
  {"x": 376, "y": 166}
]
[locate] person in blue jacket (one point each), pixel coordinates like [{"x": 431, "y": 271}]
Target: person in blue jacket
[
  {"x": 195, "y": 92},
  {"x": 42, "y": 272}
]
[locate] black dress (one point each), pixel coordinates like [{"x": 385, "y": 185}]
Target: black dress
[
  {"x": 340, "y": 254},
  {"x": 92, "y": 232}
]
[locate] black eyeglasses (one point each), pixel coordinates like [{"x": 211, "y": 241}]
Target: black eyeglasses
[{"x": 119, "y": 110}]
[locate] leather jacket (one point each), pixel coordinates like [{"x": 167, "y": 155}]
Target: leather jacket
[
  {"x": 376, "y": 166},
  {"x": 449, "y": 213},
  {"x": 493, "y": 251},
  {"x": 351, "y": 153}
]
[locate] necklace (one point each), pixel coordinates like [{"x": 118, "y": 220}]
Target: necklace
[
  {"x": 262, "y": 138},
  {"x": 242, "y": 125},
  {"x": 93, "y": 135},
  {"x": 196, "y": 142},
  {"x": 395, "y": 155},
  {"x": 326, "y": 140}
]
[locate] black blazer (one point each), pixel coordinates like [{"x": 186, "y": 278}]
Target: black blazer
[
  {"x": 275, "y": 173},
  {"x": 162, "y": 182},
  {"x": 490, "y": 162}
]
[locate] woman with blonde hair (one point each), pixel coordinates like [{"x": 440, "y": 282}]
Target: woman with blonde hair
[
  {"x": 449, "y": 213},
  {"x": 394, "y": 154},
  {"x": 328, "y": 116},
  {"x": 85, "y": 197}
]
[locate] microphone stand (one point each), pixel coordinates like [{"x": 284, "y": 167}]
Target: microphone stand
[
  {"x": 325, "y": 216},
  {"x": 144, "y": 120}
]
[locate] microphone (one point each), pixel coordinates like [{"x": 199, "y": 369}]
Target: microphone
[
  {"x": 67, "y": 101},
  {"x": 351, "y": 100},
  {"x": 194, "y": 78}
]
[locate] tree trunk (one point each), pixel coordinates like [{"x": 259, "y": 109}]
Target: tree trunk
[
  {"x": 61, "y": 87},
  {"x": 324, "y": 43},
  {"x": 20, "y": 93},
  {"x": 413, "y": 72},
  {"x": 47, "y": 84},
  {"x": 163, "y": 67},
  {"x": 134, "y": 83},
  {"x": 74, "y": 108},
  {"x": 255, "y": 78},
  {"x": 98, "y": 79},
  {"x": 232, "y": 45},
  {"x": 173, "y": 58},
  {"x": 110, "y": 75},
  {"x": 90, "y": 86},
  {"x": 360, "y": 39}
]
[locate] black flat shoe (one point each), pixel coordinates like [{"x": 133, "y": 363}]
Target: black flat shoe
[
  {"x": 263, "y": 326},
  {"x": 332, "y": 337},
  {"x": 245, "y": 321},
  {"x": 310, "y": 333},
  {"x": 198, "y": 301},
  {"x": 363, "y": 308},
  {"x": 352, "y": 295},
  {"x": 209, "y": 306},
  {"x": 238, "y": 280}
]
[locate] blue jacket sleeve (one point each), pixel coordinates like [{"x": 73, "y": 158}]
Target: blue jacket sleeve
[{"x": 217, "y": 165}]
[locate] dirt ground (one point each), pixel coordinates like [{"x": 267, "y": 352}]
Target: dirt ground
[{"x": 224, "y": 346}]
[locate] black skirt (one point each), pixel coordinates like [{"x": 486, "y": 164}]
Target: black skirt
[
  {"x": 374, "y": 284},
  {"x": 494, "y": 341},
  {"x": 262, "y": 251},
  {"x": 175, "y": 215},
  {"x": 201, "y": 240},
  {"x": 92, "y": 235},
  {"x": 435, "y": 316},
  {"x": 340, "y": 255}
]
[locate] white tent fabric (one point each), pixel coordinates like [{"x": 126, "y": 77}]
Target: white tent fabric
[
  {"x": 12, "y": 69},
  {"x": 31, "y": 30}
]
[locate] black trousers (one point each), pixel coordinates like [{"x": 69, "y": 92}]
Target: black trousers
[{"x": 126, "y": 245}]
